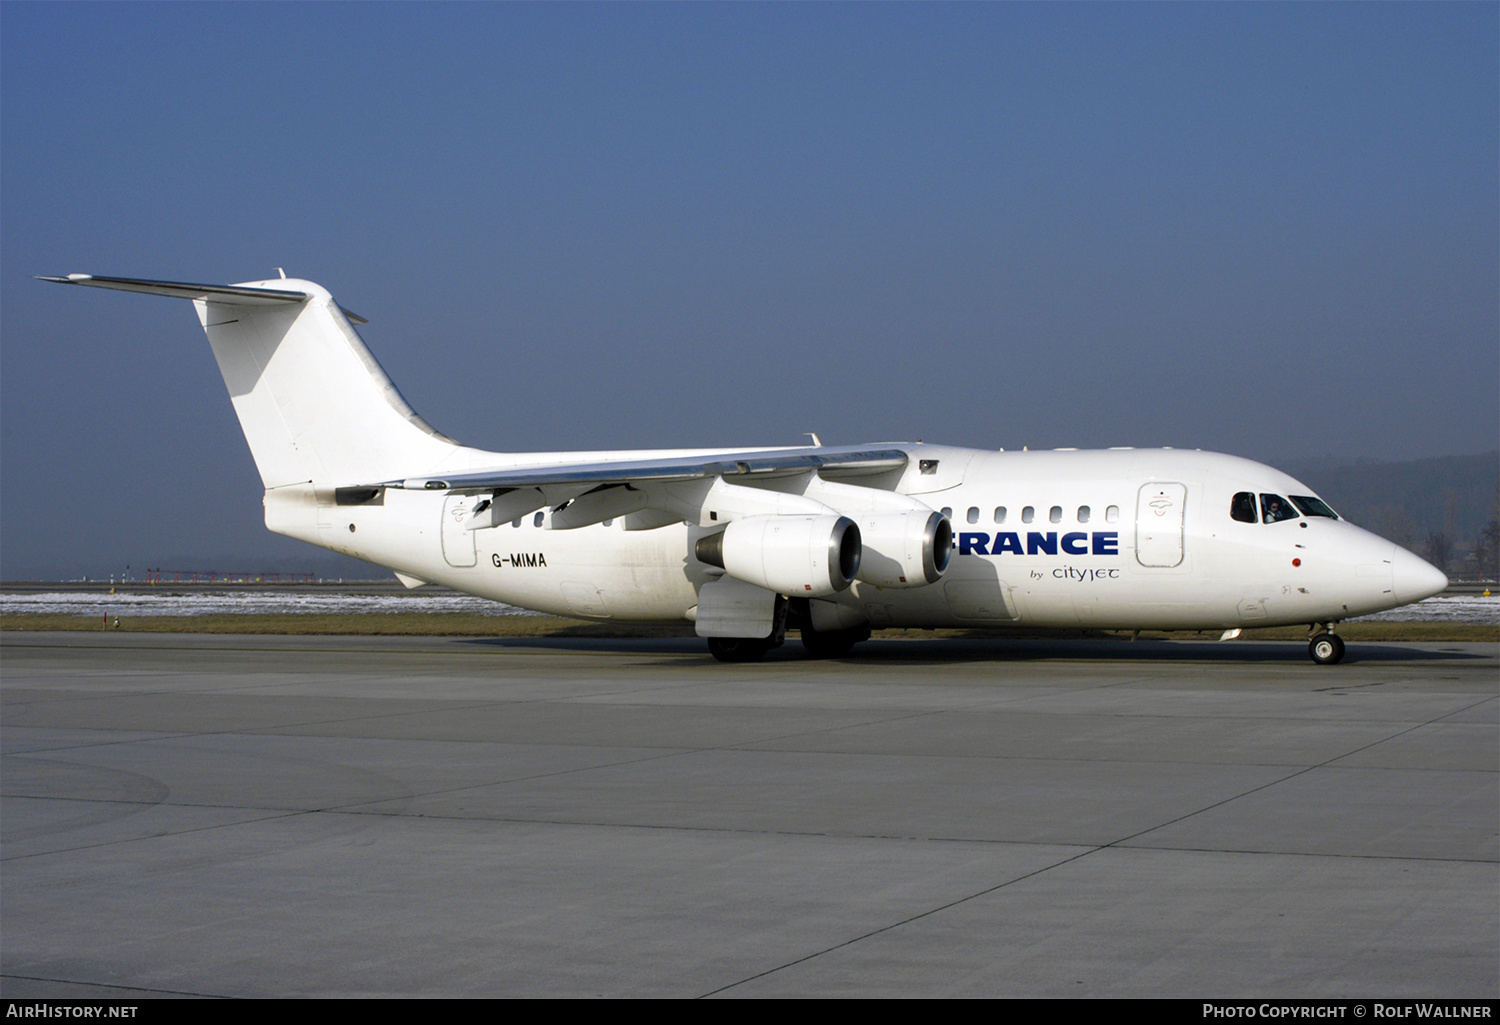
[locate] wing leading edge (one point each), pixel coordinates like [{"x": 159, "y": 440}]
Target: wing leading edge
[{"x": 703, "y": 488}]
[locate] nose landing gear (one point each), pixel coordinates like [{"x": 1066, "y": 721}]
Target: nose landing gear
[{"x": 1326, "y": 647}]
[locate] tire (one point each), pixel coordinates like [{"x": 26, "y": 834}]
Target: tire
[
  {"x": 1326, "y": 649},
  {"x": 738, "y": 649}
]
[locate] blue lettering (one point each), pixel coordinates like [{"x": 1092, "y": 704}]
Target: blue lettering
[
  {"x": 1043, "y": 543},
  {"x": 1104, "y": 542},
  {"x": 1007, "y": 543}
]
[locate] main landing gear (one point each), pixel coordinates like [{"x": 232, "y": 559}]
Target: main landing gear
[
  {"x": 752, "y": 649},
  {"x": 817, "y": 643},
  {"x": 1326, "y": 647},
  {"x": 796, "y": 614},
  {"x": 835, "y": 641}
]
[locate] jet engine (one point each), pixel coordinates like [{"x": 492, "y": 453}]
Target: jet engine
[
  {"x": 905, "y": 549},
  {"x": 805, "y": 556}
]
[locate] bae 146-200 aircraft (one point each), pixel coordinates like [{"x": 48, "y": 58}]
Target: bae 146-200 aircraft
[{"x": 828, "y": 540}]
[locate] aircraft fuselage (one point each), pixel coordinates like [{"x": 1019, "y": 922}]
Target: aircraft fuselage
[{"x": 1125, "y": 539}]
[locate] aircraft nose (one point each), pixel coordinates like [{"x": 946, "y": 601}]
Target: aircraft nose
[{"x": 1413, "y": 579}]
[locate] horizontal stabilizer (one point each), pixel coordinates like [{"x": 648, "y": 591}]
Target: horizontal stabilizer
[{"x": 231, "y": 295}]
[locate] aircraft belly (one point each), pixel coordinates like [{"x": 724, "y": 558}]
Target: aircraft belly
[
  {"x": 982, "y": 601},
  {"x": 1047, "y": 608}
]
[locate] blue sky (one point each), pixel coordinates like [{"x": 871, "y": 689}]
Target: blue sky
[{"x": 1268, "y": 229}]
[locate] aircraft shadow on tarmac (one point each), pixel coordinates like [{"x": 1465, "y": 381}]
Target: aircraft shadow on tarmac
[{"x": 958, "y": 650}]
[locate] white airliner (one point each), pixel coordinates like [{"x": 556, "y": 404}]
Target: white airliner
[{"x": 830, "y": 540}]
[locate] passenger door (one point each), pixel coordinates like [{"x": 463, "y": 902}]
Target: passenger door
[
  {"x": 458, "y": 539},
  {"x": 1158, "y": 524}
]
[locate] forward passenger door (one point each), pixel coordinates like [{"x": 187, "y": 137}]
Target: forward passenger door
[{"x": 1158, "y": 524}]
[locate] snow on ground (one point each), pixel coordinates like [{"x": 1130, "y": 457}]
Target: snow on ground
[
  {"x": 1460, "y": 608},
  {"x": 263, "y": 603}
]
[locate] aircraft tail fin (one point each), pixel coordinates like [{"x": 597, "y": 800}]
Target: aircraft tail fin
[{"x": 314, "y": 404}]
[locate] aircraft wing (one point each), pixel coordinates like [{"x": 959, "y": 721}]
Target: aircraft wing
[{"x": 832, "y": 463}]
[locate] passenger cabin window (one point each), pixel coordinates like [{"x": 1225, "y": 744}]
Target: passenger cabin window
[
  {"x": 1112, "y": 514},
  {"x": 948, "y": 511},
  {"x": 999, "y": 514},
  {"x": 973, "y": 514},
  {"x": 536, "y": 521},
  {"x": 1028, "y": 514},
  {"x": 1242, "y": 507},
  {"x": 516, "y": 522},
  {"x": 1055, "y": 515},
  {"x": 1311, "y": 506},
  {"x": 1274, "y": 508},
  {"x": 1083, "y": 514}
]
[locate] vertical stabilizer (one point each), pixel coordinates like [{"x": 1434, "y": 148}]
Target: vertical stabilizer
[{"x": 314, "y": 404}]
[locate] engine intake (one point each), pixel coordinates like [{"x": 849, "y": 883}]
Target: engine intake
[
  {"x": 805, "y": 556},
  {"x": 907, "y": 549}
]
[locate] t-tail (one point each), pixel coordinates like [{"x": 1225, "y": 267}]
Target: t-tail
[{"x": 281, "y": 345}]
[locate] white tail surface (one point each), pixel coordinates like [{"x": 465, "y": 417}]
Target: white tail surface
[{"x": 313, "y": 403}]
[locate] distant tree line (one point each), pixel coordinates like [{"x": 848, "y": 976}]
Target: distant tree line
[
  {"x": 1480, "y": 562},
  {"x": 1445, "y": 509},
  {"x": 1477, "y": 561}
]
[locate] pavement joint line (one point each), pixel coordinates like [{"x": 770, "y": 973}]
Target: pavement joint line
[
  {"x": 1118, "y": 843},
  {"x": 898, "y": 924},
  {"x": 101, "y": 985},
  {"x": 1326, "y": 763}
]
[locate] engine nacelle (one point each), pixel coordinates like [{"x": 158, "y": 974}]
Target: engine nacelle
[
  {"x": 905, "y": 549},
  {"x": 804, "y": 556}
]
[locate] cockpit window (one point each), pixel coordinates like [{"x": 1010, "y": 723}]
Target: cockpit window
[
  {"x": 1274, "y": 508},
  {"x": 1242, "y": 507},
  {"x": 1311, "y": 506}
]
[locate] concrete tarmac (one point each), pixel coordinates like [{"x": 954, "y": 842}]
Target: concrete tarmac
[{"x": 330, "y": 816}]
